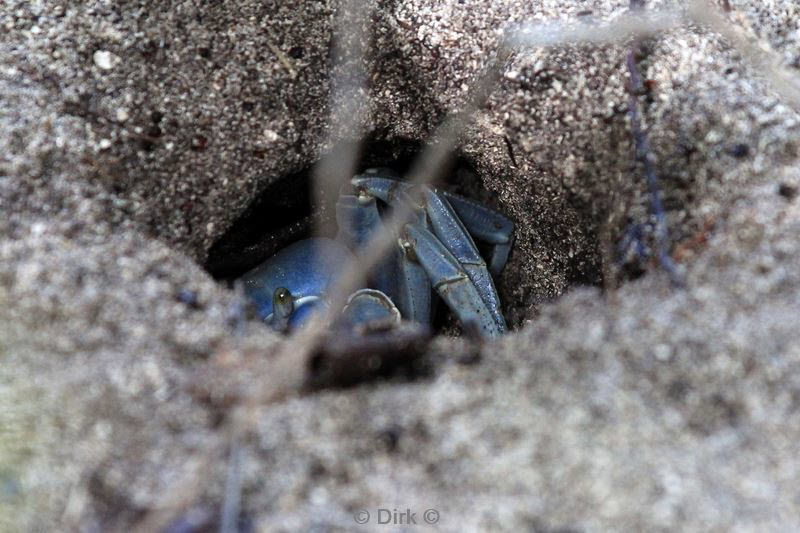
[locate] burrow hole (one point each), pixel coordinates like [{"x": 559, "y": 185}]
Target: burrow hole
[{"x": 285, "y": 212}]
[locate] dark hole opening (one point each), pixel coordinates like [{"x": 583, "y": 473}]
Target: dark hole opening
[{"x": 279, "y": 216}]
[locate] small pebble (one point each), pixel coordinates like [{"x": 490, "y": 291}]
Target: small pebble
[
  {"x": 739, "y": 150},
  {"x": 787, "y": 191},
  {"x": 103, "y": 59},
  {"x": 199, "y": 143},
  {"x": 189, "y": 298}
]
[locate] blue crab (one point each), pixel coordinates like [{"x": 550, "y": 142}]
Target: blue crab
[{"x": 435, "y": 251}]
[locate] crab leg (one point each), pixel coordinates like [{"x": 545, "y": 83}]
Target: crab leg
[
  {"x": 407, "y": 284},
  {"x": 357, "y": 218},
  {"x": 413, "y": 290},
  {"x": 384, "y": 188},
  {"x": 485, "y": 225},
  {"x": 450, "y": 280},
  {"x": 452, "y": 233}
]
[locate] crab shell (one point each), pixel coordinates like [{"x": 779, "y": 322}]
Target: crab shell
[{"x": 307, "y": 268}]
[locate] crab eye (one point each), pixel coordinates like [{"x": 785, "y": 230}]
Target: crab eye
[{"x": 282, "y": 302}]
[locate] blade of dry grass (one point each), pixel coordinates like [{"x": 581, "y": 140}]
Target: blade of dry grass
[
  {"x": 646, "y": 24},
  {"x": 549, "y": 34},
  {"x": 231, "y": 507},
  {"x": 758, "y": 53},
  {"x": 348, "y": 103}
]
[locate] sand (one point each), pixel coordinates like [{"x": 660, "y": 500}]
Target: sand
[{"x": 132, "y": 137}]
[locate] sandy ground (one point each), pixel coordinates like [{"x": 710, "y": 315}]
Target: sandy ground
[{"x": 133, "y": 135}]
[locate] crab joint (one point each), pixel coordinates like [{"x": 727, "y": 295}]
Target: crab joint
[
  {"x": 363, "y": 196},
  {"x": 407, "y": 248}
]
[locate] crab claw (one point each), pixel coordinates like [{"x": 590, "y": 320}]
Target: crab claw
[{"x": 367, "y": 307}]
